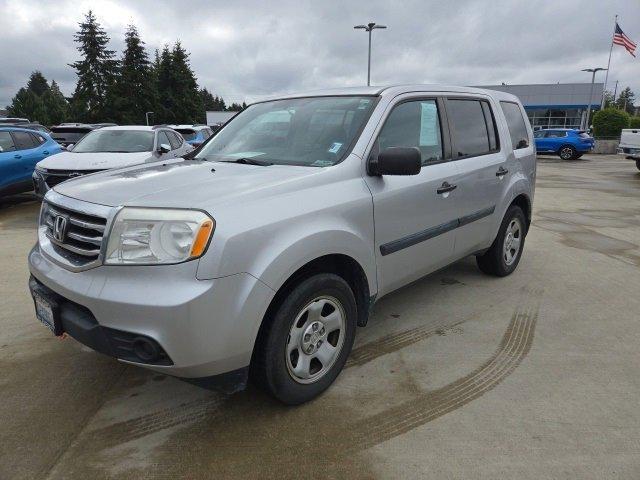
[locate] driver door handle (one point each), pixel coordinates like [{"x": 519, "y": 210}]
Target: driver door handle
[
  {"x": 446, "y": 187},
  {"x": 501, "y": 172}
]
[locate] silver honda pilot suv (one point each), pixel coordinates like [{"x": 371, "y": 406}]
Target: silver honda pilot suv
[{"x": 259, "y": 254}]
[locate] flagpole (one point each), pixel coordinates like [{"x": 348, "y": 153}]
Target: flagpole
[{"x": 606, "y": 77}]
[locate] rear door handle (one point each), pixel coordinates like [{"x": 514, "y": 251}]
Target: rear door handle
[
  {"x": 46, "y": 152},
  {"x": 501, "y": 172},
  {"x": 445, "y": 188},
  {"x": 17, "y": 156}
]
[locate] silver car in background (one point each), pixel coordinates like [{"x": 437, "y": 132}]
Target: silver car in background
[
  {"x": 260, "y": 256},
  {"x": 109, "y": 147}
]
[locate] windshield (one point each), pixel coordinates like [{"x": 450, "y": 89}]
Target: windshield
[
  {"x": 121, "y": 141},
  {"x": 314, "y": 131},
  {"x": 187, "y": 133}
]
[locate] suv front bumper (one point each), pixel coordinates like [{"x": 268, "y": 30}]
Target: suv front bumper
[{"x": 205, "y": 327}]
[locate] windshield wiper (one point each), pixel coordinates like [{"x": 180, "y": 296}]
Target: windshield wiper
[{"x": 248, "y": 161}]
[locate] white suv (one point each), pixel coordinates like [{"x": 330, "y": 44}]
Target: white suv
[{"x": 106, "y": 148}]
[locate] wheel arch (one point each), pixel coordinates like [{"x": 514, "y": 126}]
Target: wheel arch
[{"x": 524, "y": 202}]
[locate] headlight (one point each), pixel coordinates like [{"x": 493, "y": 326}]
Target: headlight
[{"x": 149, "y": 236}]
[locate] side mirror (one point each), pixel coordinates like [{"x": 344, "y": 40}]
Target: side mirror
[
  {"x": 164, "y": 148},
  {"x": 522, "y": 144},
  {"x": 70, "y": 147},
  {"x": 1, "y": 149},
  {"x": 396, "y": 161}
]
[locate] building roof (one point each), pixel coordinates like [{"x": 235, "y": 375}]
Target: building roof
[{"x": 559, "y": 95}]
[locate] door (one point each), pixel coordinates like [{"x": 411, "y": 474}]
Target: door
[
  {"x": 10, "y": 167},
  {"x": 482, "y": 167},
  {"x": 415, "y": 216},
  {"x": 542, "y": 142},
  {"x": 27, "y": 148},
  {"x": 163, "y": 139}
]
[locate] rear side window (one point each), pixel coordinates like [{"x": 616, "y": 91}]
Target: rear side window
[
  {"x": 517, "y": 127},
  {"x": 39, "y": 139},
  {"x": 473, "y": 127},
  {"x": 6, "y": 142},
  {"x": 414, "y": 124},
  {"x": 556, "y": 134},
  {"x": 24, "y": 141}
]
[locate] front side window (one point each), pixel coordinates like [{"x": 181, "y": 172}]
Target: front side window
[
  {"x": 115, "y": 141},
  {"x": 175, "y": 141},
  {"x": 414, "y": 124},
  {"x": 470, "y": 128},
  {"x": 163, "y": 139},
  {"x": 556, "y": 134},
  {"x": 6, "y": 142},
  {"x": 310, "y": 131},
  {"x": 517, "y": 127}
]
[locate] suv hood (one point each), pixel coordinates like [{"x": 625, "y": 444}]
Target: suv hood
[
  {"x": 182, "y": 183},
  {"x": 94, "y": 161}
]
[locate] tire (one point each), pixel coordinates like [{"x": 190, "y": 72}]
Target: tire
[
  {"x": 496, "y": 261},
  {"x": 280, "y": 366},
  {"x": 638, "y": 164},
  {"x": 567, "y": 152}
]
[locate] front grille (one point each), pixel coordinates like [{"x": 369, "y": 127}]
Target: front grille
[
  {"x": 74, "y": 235},
  {"x": 54, "y": 177}
]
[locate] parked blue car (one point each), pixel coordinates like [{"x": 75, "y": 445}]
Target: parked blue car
[
  {"x": 567, "y": 143},
  {"x": 20, "y": 150},
  {"x": 194, "y": 135}
]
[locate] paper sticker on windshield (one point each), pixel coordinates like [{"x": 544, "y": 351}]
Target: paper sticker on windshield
[
  {"x": 363, "y": 104},
  {"x": 334, "y": 147},
  {"x": 322, "y": 163}
]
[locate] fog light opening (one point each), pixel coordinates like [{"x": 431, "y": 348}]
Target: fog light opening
[{"x": 145, "y": 349}]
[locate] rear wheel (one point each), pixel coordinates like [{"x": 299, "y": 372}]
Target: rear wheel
[
  {"x": 567, "y": 152},
  {"x": 503, "y": 256},
  {"x": 305, "y": 345}
]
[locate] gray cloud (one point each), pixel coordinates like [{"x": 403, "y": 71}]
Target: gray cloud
[{"x": 244, "y": 50}]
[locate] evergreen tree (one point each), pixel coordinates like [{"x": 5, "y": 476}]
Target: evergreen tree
[
  {"x": 625, "y": 100},
  {"x": 96, "y": 71},
  {"x": 37, "y": 83},
  {"x": 188, "y": 107},
  {"x": 26, "y": 104},
  {"x": 165, "y": 87},
  {"x": 135, "y": 87},
  {"x": 55, "y": 104},
  {"x": 237, "y": 107}
]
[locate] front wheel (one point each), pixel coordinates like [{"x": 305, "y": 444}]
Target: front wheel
[
  {"x": 503, "y": 256},
  {"x": 567, "y": 152},
  {"x": 304, "y": 346}
]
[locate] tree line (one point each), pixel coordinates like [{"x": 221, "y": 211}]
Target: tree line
[{"x": 120, "y": 90}]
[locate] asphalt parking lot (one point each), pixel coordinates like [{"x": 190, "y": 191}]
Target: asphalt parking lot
[{"x": 457, "y": 376}]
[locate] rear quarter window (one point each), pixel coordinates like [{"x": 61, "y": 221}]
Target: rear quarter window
[{"x": 516, "y": 123}]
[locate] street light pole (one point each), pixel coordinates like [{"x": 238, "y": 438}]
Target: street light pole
[
  {"x": 593, "y": 78},
  {"x": 369, "y": 27},
  {"x": 146, "y": 115}
]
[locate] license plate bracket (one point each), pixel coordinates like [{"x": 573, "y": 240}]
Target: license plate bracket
[{"x": 48, "y": 312}]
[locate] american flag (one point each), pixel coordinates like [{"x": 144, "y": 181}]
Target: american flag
[{"x": 619, "y": 38}]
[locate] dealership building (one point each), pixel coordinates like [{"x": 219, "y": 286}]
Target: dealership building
[{"x": 556, "y": 105}]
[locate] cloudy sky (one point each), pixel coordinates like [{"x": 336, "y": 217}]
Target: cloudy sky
[{"x": 244, "y": 50}]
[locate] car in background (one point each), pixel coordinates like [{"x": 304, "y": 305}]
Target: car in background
[
  {"x": 567, "y": 143},
  {"x": 69, "y": 133},
  {"x": 12, "y": 120},
  {"x": 630, "y": 145},
  {"x": 106, "y": 148},
  {"x": 20, "y": 150},
  {"x": 195, "y": 135},
  {"x": 30, "y": 126}
]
